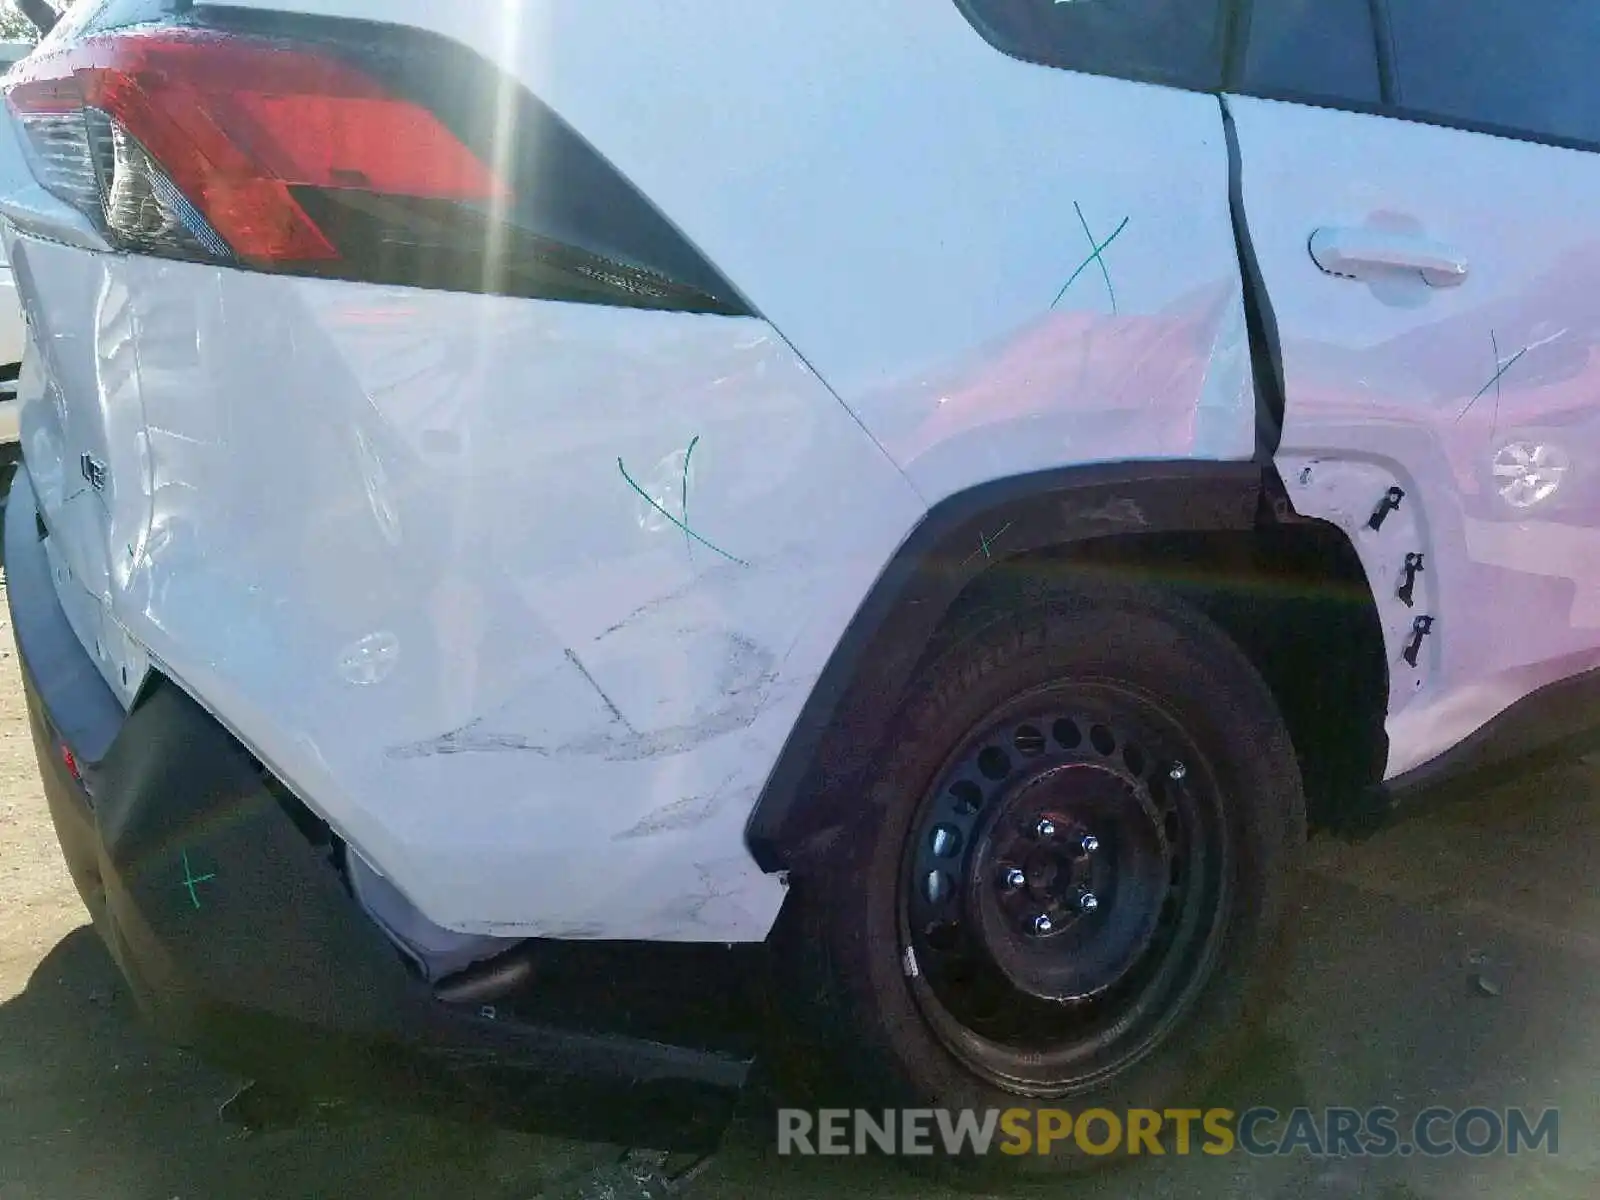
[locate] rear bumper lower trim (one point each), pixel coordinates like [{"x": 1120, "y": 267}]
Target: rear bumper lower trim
[{"x": 239, "y": 939}]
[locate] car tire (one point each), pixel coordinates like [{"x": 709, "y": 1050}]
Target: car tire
[{"x": 1086, "y": 705}]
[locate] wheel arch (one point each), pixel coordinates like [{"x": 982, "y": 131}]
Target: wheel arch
[
  {"x": 1222, "y": 534},
  {"x": 956, "y": 543}
]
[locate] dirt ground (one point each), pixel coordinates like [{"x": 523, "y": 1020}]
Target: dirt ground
[{"x": 1453, "y": 960}]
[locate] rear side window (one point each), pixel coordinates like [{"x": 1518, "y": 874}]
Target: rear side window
[
  {"x": 1177, "y": 42},
  {"x": 1528, "y": 65},
  {"x": 1317, "y": 49}
]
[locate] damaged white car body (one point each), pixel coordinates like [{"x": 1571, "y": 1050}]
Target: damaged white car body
[{"x": 550, "y": 606}]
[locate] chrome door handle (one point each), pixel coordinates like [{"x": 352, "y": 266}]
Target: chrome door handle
[{"x": 1360, "y": 253}]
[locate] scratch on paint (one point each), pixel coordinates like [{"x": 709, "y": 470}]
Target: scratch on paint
[
  {"x": 1096, "y": 255},
  {"x": 747, "y": 684},
  {"x": 1119, "y": 511},
  {"x": 190, "y": 879},
  {"x": 467, "y": 740},
  {"x": 777, "y": 559},
  {"x": 688, "y": 812},
  {"x": 611, "y": 707},
  {"x": 1501, "y": 369},
  {"x": 681, "y": 524},
  {"x": 649, "y": 607},
  {"x": 691, "y": 908}
]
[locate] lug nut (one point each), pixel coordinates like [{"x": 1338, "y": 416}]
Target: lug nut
[
  {"x": 1089, "y": 844},
  {"x": 1014, "y": 879},
  {"x": 1046, "y": 828},
  {"x": 1088, "y": 902},
  {"x": 1177, "y": 772},
  {"x": 1042, "y": 925}
]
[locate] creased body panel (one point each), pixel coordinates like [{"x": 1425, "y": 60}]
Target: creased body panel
[
  {"x": 523, "y": 597},
  {"x": 526, "y": 597},
  {"x": 82, "y": 432}
]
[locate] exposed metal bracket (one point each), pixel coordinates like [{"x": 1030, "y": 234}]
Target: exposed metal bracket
[
  {"x": 1390, "y": 502},
  {"x": 1420, "y": 628},
  {"x": 1408, "y": 579}
]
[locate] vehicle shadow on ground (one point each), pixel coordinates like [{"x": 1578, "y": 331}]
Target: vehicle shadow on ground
[
  {"x": 1384, "y": 1005},
  {"x": 93, "y": 1105}
]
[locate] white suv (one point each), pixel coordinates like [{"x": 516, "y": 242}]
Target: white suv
[{"x": 528, "y": 505}]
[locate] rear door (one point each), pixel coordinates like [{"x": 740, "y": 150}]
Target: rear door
[{"x": 1420, "y": 181}]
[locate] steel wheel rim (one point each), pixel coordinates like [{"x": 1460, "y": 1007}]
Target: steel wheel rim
[{"x": 1058, "y": 1009}]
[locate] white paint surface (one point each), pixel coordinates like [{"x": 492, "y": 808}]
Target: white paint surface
[
  {"x": 383, "y": 534},
  {"x": 1384, "y": 379}
]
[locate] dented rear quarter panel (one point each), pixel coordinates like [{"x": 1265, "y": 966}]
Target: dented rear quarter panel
[
  {"x": 392, "y": 538},
  {"x": 386, "y": 536}
]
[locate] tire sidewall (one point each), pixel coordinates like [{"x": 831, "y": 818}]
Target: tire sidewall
[{"x": 1199, "y": 677}]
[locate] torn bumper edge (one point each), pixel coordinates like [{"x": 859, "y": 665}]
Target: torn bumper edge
[{"x": 239, "y": 939}]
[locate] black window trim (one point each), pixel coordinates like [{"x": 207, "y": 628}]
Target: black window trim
[
  {"x": 1234, "y": 36},
  {"x": 1392, "y": 105},
  {"x": 1383, "y": 50},
  {"x": 1221, "y": 50}
]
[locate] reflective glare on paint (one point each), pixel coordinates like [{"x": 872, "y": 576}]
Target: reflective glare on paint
[{"x": 370, "y": 660}]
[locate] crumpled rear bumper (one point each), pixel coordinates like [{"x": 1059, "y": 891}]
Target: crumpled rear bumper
[{"x": 237, "y": 936}]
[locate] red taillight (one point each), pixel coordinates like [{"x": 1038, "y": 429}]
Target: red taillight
[
  {"x": 71, "y": 761},
  {"x": 351, "y": 150},
  {"x": 193, "y": 143}
]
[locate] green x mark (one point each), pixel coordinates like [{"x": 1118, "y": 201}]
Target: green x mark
[
  {"x": 1096, "y": 255},
  {"x": 190, "y": 879},
  {"x": 1502, "y": 368},
  {"x": 985, "y": 543},
  {"x": 687, "y": 532}
]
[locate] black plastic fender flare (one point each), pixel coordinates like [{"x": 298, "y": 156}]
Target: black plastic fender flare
[{"x": 807, "y": 798}]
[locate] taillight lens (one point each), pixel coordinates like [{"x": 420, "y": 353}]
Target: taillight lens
[
  {"x": 210, "y": 145},
  {"x": 187, "y": 141}
]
